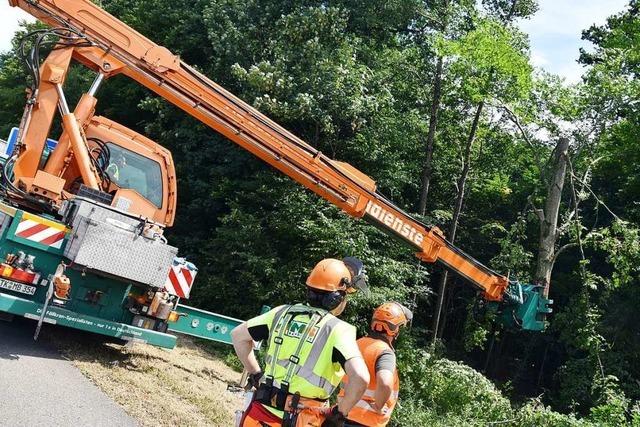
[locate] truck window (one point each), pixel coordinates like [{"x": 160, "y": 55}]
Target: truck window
[{"x": 133, "y": 171}]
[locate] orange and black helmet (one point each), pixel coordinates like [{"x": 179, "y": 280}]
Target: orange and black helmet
[
  {"x": 389, "y": 317},
  {"x": 329, "y": 275}
]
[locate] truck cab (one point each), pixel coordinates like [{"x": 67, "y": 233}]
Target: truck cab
[{"x": 139, "y": 174}]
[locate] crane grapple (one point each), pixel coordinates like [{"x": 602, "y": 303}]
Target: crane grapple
[{"x": 524, "y": 307}]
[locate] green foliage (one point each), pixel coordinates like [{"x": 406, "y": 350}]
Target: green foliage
[
  {"x": 491, "y": 59},
  {"x": 635, "y": 415},
  {"x": 611, "y": 408},
  {"x": 354, "y": 79},
  {"x": 476, "y": 333},
  {"x": 412, "y": 413},
  {"x": 621, "y": 243},
  {"x": 223, "y": 352},
  {"x": 440, "y": 392},
  {"x": 535, "y": 414},
  {"x": 336, "y": 98},
  {"x": 11, "y": 78},
  {"x": 508, "y": 10},
  {"x": 513, "y": 256},
  {"x": 450, "y": 389}
]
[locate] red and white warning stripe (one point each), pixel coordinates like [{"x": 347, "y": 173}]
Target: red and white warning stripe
[
  {"x": 41, "y": 231},
  {"x": 180, "y": 280}
]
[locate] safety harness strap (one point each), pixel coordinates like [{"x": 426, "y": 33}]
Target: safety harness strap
[
  {"x": 279, "y": 329},
  {"x": 294, "y": 359},
  {"x": 275, "y": 392},
  {"x": 280, "y": 325}
]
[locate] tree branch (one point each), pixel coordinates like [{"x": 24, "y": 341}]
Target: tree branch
[
  {"x": 574, "y": 197},
  {"x": 585, "y": 186},
  {"x": 561, "y": 230},
  {"x": 562, "y": 249},
  {"x": 516, "y": 121}
]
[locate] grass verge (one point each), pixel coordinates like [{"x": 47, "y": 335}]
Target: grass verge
[{"x": 186, "y": 386}]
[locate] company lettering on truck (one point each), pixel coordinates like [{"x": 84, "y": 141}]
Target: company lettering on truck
[{"x": 395, "y": 223}]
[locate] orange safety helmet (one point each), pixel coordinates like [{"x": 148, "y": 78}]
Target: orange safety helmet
[
  {"x": 389, "y": 317},
  {"x": 329, "y": 275}
]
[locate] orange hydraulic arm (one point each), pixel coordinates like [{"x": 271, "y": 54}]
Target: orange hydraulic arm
[{"x": 118, "y": 49}]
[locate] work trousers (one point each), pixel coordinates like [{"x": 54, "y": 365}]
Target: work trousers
[{"x": 258, "y": 416}]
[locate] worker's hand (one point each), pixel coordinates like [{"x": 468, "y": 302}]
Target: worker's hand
[
  {"x": 253, "y": 380},
  {"x": 334, "y": 418}
]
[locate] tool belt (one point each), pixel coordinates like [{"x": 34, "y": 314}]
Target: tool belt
[{"x": 280, "y": 398}]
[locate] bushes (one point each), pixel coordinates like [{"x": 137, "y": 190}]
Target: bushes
[
  {"x": 454, "y": 388},
  {"x": 438, "y": 392},
  {"x": 534, "y": 414},
  {"x": 443, "y": 392}
]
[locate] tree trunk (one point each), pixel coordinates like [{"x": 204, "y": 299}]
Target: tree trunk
[
  {"x": 544, "y": 361},
  {"x": 431, "y": 136},
  {"x": 462, "y": 181},
  {"x": 488, "y": 359},
  {"x": 460, "y": 198},
  {"x": 549, "y": 217},
  {"x": 448, "y": 302}
]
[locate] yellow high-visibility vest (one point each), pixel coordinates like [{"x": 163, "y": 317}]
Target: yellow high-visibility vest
[{"x": 300, "y": 349}]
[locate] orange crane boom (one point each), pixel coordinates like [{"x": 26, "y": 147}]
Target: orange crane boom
[{"x": 115, "y": 48}]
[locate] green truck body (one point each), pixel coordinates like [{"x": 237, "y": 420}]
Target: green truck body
[{"x": 97, "y": 303}]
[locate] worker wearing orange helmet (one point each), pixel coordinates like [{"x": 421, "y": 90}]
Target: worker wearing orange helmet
[
  {"x": 309, "y": 351},
  {"x": 376, "y": 405}
]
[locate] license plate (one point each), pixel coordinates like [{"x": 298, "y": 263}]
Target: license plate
[{"x": 17, "y": 287}]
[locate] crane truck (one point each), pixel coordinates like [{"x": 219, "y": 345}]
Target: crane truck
[{"x": 82, "y": 223}]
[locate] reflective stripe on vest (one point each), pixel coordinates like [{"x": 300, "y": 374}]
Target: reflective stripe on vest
[
  {"x": 372, "y": 394},
  {"x": 363, "y": 412},
  {"x": 367, "y": 406},
  {"x": 290, "y": 359},
  {"x": 305, "y": 370}
]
